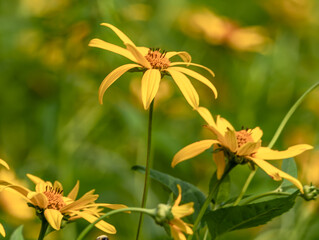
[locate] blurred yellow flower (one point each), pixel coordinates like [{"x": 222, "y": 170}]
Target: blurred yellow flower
[
  {"x": 177, "y": 225},
  {"x": 242, "y": 146},
  {"x": 52, "y": 206},
  {"x": 3, "y": 163},
  {"x": 155, "y": 64},
  {"x": 218, "y": 30}
]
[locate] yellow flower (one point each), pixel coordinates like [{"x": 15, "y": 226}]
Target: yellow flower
[
  {"x": 242, "y": 146},
  {"x": 4, "y": 163},
  {"x": 50, "y": 203},
  {"x": 177, "y": 225},
  {"x": 2, "y": 231},
  {"x": 154, "y": 63}
]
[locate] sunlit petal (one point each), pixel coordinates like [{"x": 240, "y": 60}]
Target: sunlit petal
[
  {"x": 193, "y": 64},
  {"x": 248, "y": 148},
  {"x": 138, "y": 55},
  {"x": 78, "y": 204},
  {"x": 184, "y": 56},
  {"x": 149, "y": 86},
  {"x": 256, "y": 134},
  {"x": 98, "y": 43},
  {"x": 119, "y": 33},
  {"x": 112, "y": 77},
  {"x": 223, "y": 125},
  {"x": 230, "y": 140},
  {"x": 219, "y": 159},
  {"x": 183, "y": 210},
  {"x": 19, "y": 189},
  {"x": 34, "y": 179},
  {"x": 179, "y": 196},
  {"x": 206, "y": 115},
  {"x": 38, "y": 199},
  {"x": 186, "y": 87},
  {"x": 54, "y": 218},
  {"x": 192, "y": 150},
  {"x": 269, "y": 154},
  {"x": 197, "y": 76},
  {"x": 182, "y": 225},
  {"x": 4, "y": 163},
  {"x": 74, "y": 192},
  {"x": 176, "y": 233},
  {"x": 275, "y": 173}
]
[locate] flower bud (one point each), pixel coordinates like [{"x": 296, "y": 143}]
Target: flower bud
[
  {"x": 310, "y": 192},
  {"x": 163, "y": 213}
]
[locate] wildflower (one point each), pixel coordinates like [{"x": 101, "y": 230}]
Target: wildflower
[
  {"x": 173, "y": 214},
  {"x": 155, "y": 63},
  {"x": 52, "y": 206},
  {"x": 242, "y": 147}
]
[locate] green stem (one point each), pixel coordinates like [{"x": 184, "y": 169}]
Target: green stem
[
  {"x": 148, "y": 168},
  {"x": 253, "y": 198},
  {"x": 206, "y": 234},
  {"x": 208, "y": 200},
  {"x": 131, "y": 209},
  {"x": 275, "y": 137},
  {"x": 44, "y": 227}
]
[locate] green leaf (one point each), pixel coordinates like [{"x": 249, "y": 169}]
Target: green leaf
[
  {"x": 17, "y": 234},
  {"x": 190, "y": 193},
  {"x": 289, "y": 166},
  {"x": 223, "y": 190},
  {"x": 232, "y": 218}
]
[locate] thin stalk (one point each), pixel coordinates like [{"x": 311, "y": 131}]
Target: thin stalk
[
  {"x": 44, "y": 227},
  {"x": 208, "y": 200},
  {"x": 206, "y": 234},
  {"x": 253, "y": 198},
  {"x": 148, "y": 168},
  {"x": 275, "y": 137},
  {"x": 131, "y": 209}
]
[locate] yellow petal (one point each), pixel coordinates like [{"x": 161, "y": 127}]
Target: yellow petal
[
  {"x": 206, "y": 115},
  {"x": 81, "y": 203},
  {"x": 98, "y": 43},
  {"x": 230, "y": 140},
  {"x": 138, "y": 56},
  {"x": 42, "y": 186},
  {"x": 256, "y": 134},
  {"x": 109, "y": 205},
  {"x": 193, "y": 64},
  {"x": 183, "y": 210},
  {"x": 19, "y": 189},
  {"x": 4, "y": 163},
  {"x": 102, "y": 225},
  {"x": 219, "y": 160},
  {"x": 223, "y": 125},
  {"x": 54, "y": 218},
  {"x": 248, "y": 148},
  {"x": 176, "y": 233},
  {"x": 57, "y": 185},
  {"x": 150, "y": 84},
  {"x": 119, "y": 33},
  {"x": 192, "y": 150},
  {"x": 2, "y": 231},
  {"x": 38, "y": 199},
  {"x": 186, "y": 87},
  {"x": 182, "y": 225},
  {"x": 275, "y": 173},
  {"x": 179, "y": 196},
  {"x": 184, "y": 56},
  {"x": 197, "y": 76},
  {"x": 74, "y": 192},
  {"x": 112, "y": 77},
  {"x": 143, "y": 50},
  {"x": 34, "y": 179},
  {"x": 269, "y": 154}
]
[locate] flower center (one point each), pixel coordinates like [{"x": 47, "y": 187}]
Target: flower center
[
  {"x": 243, "y": 136},
  {"x": 157, "y": 59},
  {"x": 55, "y": 198}
]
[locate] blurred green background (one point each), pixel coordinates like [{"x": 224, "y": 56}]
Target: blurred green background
[{"x": 52, "y": 125}]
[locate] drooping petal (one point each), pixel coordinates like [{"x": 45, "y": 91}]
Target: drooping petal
[
  {"x": 74, "y": 192},
  {"x": 176, "y": 233},
  {"x": 197, "y": 76},
  {"x": 219, "y": 159},
  {"x": 2, "y": 231},
  {"x": 4, "y": 163},
  {"x": 19, "y": 189},
  {"x": 193, "y": 64},
  {"x": 269, "y": 154},
  {"x": 192, "y": 150},
  {"x": 119, "y": 33},
  {"x": 183, "y": 210},
  {"x": 112, "y": 77},
  {"x": 184, "y": 56},
  {"x": 230, "y": 140},
  {"x": 179, "y": 196},
  {"x": 275, "y": 173},
  {"x": 256, "y": 134},
  {"x": 206, "y": 115},
  {"x": 248, "y": 148},
  {"x": 38, "y": 199},
  {"x": 186, "y": 87},
  {"x": 98, "y": 43},
  {"x": 102, "y": 225},
  {"x": 54, "y": 218},
  {"x": 138, "y": 56},
  {"x": 149, "y": 87},
  {"x": 34, "y": 179},
  {"x": 182, "y": 225}
]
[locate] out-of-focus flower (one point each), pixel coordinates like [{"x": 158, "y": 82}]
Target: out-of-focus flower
[
  {"x": 137, "y": 12},
  {"x": 218, "y": 30},
  {"x": 154, "y": 63},
  {"x": 172, "y": 215},
  {"x": 5, "y": 164},
  {"x": 41, "y": 8},
  {"x": 53, "y": 207},
  {"x": 241, "y": 147}
]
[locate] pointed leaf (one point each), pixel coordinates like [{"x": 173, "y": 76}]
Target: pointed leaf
[{"x": 17, "y": 234}]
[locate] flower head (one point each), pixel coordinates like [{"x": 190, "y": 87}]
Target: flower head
[
  {"x": 243, "y": 146},
  {"x": 154, "y": 63},
  {"x": 51, "y": 204},
  {"x": 172, "y": 216}
]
